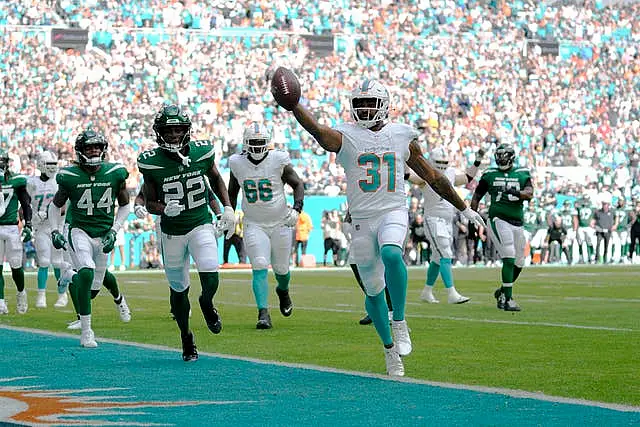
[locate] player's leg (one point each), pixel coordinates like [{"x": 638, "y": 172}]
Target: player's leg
[
  {"x": 501, "y": 233},
  {"x": 58, "y": 264},
  {"x": 4, "y": 309},
  {"x": 280, "y": 250},
  {"x": 433, "y": 270},
  {"x": 43, "y": 246},
  {"x": 519, "y": 243},
  {"x": 203, "y": 247},
  {"x": 258, "y": 246},
  {"x": 83, "y": 249},
  {"x": 14, "y": 254}
]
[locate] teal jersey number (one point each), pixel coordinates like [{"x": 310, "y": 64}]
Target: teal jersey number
[
  {"x": 373, "y": 164},
  {"x": 41, "y": 198},
  {"x": 261, "y": 191}
]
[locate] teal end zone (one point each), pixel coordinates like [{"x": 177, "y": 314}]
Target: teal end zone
[{"x": 219, "y": 391}]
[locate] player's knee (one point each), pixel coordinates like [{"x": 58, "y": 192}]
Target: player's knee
[
  {"x": 260, "y": 263},
  {"x": 391, "y": 254}
]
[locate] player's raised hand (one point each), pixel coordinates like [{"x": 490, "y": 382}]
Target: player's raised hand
[
  {"x": 227, "y": 222},
  {"x": 173, "y": 208},
  {"x": 474, "y": 217},
  {"x": 479, "y": 155},
  {"x": 140, "y": 211}
]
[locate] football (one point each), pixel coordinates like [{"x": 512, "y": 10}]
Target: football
[{"x": 285, "y": 88}]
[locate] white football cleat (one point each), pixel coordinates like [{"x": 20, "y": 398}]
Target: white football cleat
[
  {"x": 123, "y": 309},
  {"x": 401, "y": 337},
  {"x": 22, "y": 303},
  {"x": 395, "y": 367},
  {"x": 41, "y": 300},
  {"x": 88, "y": 339},
  {"x": 456, "y": 298},
  {"x": 63, "y": 300},
  {"x": 427, "y": 295},
  {"x": 75, "y": 325},
  {"x": 3, "y": 307}
]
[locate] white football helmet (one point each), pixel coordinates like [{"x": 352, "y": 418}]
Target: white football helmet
[
  {"x": 47, "y": 163},
  {"x": 439, "y": 158},
  {"x": 368, "y": 115},
  {"x": 256, "y": 140}
]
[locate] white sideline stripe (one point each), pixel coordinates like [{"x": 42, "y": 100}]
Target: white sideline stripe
[{"x": 521, "y": 394}]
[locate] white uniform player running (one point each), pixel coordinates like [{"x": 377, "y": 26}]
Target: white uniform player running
[
  {"x": 261, "y": 174},
  {"x": 439, "y": 214},
  {"x": 373, "y": 154},
  {"x": 42, "y": 189}
]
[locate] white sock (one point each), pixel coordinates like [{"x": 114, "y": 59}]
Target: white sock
[
  {"x": 452, "y": 291},
  {"x": 85, "y": 322}
]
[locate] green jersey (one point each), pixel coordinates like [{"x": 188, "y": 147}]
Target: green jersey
[
  {"x": 585, "y": 213},
  {"x": 92, "y": 196},
  {"x": 10, "y": 186},
  {"x": 567, "y": 218},
  {"x": 185, "y": 183},
  {"x": 506, "y": 206},
  {"x": 621, "y": 215},
  {"x": 531, "y": 220}
]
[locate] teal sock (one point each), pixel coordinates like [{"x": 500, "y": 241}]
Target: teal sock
[
  {"x": 377, "y": 311},
  {"x": 283, "y": 280},
  {"x": 395, "y": 276},
  {"x": 446, "y": 272},
  {"x": 43, "y": 274},
  {"x": 432, "y": 273},
  {"x": 56, "y": 273},
  {"x": 260, "y": 288}
]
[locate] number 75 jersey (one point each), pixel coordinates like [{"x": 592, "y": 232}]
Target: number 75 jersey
[
  {"x": 263, "y": 200},
  {"x": 374, "y": 164},
  {"x": 92, "y": 197}
]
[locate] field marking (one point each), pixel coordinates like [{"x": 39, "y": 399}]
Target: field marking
[{"x": 522, "y": 394}]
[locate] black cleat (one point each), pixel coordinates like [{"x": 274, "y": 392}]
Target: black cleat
[
  {"x": 366, "y": 320},
  {"x": 211, "y": 316},
  {"x": 189, "y": 352},
  {"x": 511, "y": 305},
  {"x": 286, "y": 306},
  {"x": 500, "y": 298},
  {"x": 264, "y": 320}
]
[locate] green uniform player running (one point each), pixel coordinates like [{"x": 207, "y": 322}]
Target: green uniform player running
[
  {"x": 175, "y": 188},
  {"x": 92, "y": 187},
  {"x": 14, "y": 196},
  {"x": 508, "y": 188}
]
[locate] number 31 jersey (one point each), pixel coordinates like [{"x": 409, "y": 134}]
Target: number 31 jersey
[
  {"x": 92, "y": 197},
  {"x": 263, "y": 200},
  {"x": 174, "y": 180},
  {"x": 374, "y": 164}
]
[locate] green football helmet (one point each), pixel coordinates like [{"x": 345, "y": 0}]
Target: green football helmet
[
  {"x": 4, "y": 161},
  {"x": 505, "y": 156},
  {"x": 172, "y": 127},
  {"x": 86, "y": 139}
]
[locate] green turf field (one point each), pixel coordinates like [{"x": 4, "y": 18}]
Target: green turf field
[{"x": 578, "y": 334}]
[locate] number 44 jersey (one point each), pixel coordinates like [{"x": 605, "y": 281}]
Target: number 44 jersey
[
  {"x": 263, "y": 200},
  {"x": 175, "y": 180},
  {"x": 92, "y": 197}
]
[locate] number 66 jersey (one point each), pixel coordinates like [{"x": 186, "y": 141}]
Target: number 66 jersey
[{"x": 181, "y": 181}]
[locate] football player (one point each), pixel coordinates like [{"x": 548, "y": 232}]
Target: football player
[
  {"x": 508, "y": 187},
  {"x": 15, "y": 196},
  {"x": 175, "y": 188},
  {"x": 585, "y": 233},
  {"x": 373, "y": 154},
  {"x": 42, "y": 188},
  {"x": 268, "y": 222},
  {"x": 93, "y": 188},
  {"x": 439, "y": 215}
]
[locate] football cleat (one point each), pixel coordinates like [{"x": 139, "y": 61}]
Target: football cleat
[
  {"x": 88, "y": 339},
  {"x": 63, "y": 300},
  {"x": 511, "y": 305},
  {"x": 401, "y": 337},
  {"x": 75, "y": 325},
  {"x": 41, "y": 300},
  {"x": 500, "y": 298},
  {"x": 211, "y": 316},
  {"x": 264, "y": 320},
  {"x": 456, "y": 298},
  {"x": 286, "y": 306},
  {"x": 427, "y": 295},
  {"x": 22, "y": 303},
  {"x": 3, "y": 307},
  {"x": 123, "y": 310},
  {"x": 366, "y": 320},
  {"x": 189, "y": 351},
  {"x": 395, "y": 367}
]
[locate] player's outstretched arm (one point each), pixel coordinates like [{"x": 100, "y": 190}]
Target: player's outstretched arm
[
  {"x": 479, "y": 193},
  {"x": 139, "y": 205},
  {"x": 328, "y": 138},
  {"x": 234, "y": 189},
  {"x": 471, "y": 172},
  {"x": 123, "y": 207},
  {"x": 213, "y": 203},
  {"x": 152, "y": 202},
  {"x": 25, "y": 203},
  {"x": 290, "y": 177}
]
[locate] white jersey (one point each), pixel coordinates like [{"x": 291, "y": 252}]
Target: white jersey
[
  {"x": 436, "y": 206},
  {"x": 263, "y": 200},
  {"x": 41, "y": 193},
  {"x": 374, "y": 163}
]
